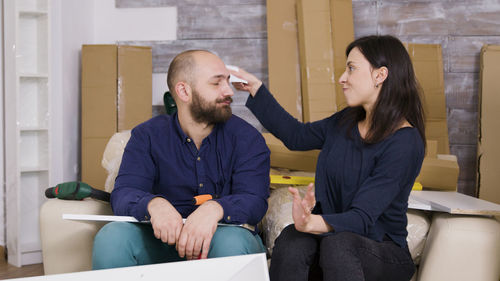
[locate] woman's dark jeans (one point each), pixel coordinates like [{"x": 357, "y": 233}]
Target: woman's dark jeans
[{"x": 343, "y": 256}]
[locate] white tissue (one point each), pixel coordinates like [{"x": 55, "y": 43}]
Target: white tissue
[{"x": 234, "y": 79}]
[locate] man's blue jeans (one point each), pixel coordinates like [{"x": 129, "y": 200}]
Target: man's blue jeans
[{"x": 120, "y": 244}]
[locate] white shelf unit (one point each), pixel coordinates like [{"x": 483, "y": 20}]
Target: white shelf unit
[{"x": 27, "y": 124}]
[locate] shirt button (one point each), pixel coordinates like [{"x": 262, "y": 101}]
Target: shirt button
[
  {"x": 199, "y": 158},
  {"x": 201, "y": 185},
  {"x": 188, "y": 140},
  {"x": 228, "y": 218}
]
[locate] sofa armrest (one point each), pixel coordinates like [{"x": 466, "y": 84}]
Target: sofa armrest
[
  {"x": 461, "y": 247},
  {"x": 66, "y": 244}
]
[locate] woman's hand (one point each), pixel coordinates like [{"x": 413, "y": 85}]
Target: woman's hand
[
  {"x": 253, "y": 82},
  {"x": 302, "y": 207},
  {"x": 301, "y": 213}
]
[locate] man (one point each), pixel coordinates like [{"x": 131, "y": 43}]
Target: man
[{"x": 201, "y": 149}]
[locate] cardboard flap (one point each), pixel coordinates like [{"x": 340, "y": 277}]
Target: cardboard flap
[
  {"x": 316, "y": 60},
  {"x": 99, "y": 74},
  {"x": 432, "y": 148},
  {"x": 489, "y": 124},
  {"x": 427, "y": 60},
  {"x": 439, "y": 174},
  {"x": 116, "y": 95},
  {"x": 283, "y": 55},
  {"x": 295, "y": 160},
  {"x": 135, "y": 83}
]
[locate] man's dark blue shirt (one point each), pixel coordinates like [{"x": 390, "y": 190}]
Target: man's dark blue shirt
[{"x": 160, "y": 160}]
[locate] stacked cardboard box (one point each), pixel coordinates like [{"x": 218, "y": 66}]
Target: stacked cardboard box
[
  {"x": 489, "y": 134},
  {"x": 284, "y": 158},
  {"x": 283, "y": 55},
  {"x": 316, "y": 59},
  {"x": 116, "y": 96},
  {"x": 324, "y": 29},
  {"x": 427, "y": 61},
  {"x": 439, "y": 169},
  {"x": 342, "y": 35}
]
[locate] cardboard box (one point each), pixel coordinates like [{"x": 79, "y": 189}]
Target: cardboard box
[
  {"x": 325, "y": 29},
  {"x": 489, "y": 102},
  {"x": 432, "y": 148},
  {"x": 284, "y": 73},
  {"x": 438, "y": 130},
  {"x": 99, "y": 88},
  {"x": 319, "y": 95},
  {"x": 283, "y": 55},
  {"x": 116, "y": 96},
  {"x": 92, "y": 171},
  {"x": 342, "y": 35},
  {"x": 427, "y": 62},
  {"x": 316, "y": 59},
  {"x": 285, "y": 158},
  {"x": 439, "y": 171},
  {"x": 135, "y": 86}
]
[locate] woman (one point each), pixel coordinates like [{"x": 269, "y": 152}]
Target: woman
[{"x": 353, "y": 226}]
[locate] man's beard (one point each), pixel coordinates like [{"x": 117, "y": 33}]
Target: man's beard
[{"x": 206, "y": 112}]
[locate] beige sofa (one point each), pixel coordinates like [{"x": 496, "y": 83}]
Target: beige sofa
[{"x": 446, "y": 247}]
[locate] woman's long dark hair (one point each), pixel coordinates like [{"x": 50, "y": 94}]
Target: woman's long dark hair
[{"x": 400, "y": 95}]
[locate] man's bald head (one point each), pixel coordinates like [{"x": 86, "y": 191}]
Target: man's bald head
[{"x": 183, "y": 68}]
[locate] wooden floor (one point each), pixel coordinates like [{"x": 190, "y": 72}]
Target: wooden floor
[{"x": 8, "y": 271}]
